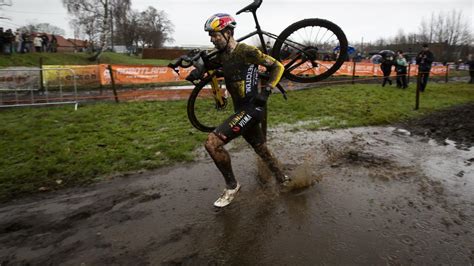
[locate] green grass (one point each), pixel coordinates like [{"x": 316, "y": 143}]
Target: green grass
[
  {"x": 364, "y": 104},
  {"x": 32, "y": 59},
  {"x": 57, "y": 147}
]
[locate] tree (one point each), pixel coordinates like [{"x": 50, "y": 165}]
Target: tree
[
  {"x": 42, "y": 27},
  {"x": 450, "y": 28},
  {"x": 95, "y": 15},
  {"x": 154, "y": 28},
  {"x": 150, "y": 28}
]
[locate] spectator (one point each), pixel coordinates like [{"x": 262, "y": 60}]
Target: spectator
[
  {"x": 386, "y": 64},
  {"x": 358, "y": 57},
  {"x": 470, "y": 62},
  {"x": 1, "y": 40},
  {"x": 18, "y": 42},
  {"x": 26, "y": 43},
  {"x": 269, "y": 46},
  {"x": 38, "y": 43},
  {"x": 8, "y": 39},
  {"x": 54, "y": 44},
  {"x": 45, "y": 42},
  {"x": 401, "y": 68},
  {"x": 29, "y": 44},
  {"x": 424, "y": 59}
]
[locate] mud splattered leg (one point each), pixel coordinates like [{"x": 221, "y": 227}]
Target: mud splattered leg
[
  {"x": 215, "y": 147},
  {"x": 272, "y": 163}
]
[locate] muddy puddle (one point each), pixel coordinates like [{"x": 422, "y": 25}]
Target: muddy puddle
[{"x": 377, "y": 195}]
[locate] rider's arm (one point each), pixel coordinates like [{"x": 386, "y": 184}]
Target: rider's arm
[{"x": 274, "y": 67}]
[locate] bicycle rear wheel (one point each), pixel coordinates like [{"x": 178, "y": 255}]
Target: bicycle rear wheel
[
  {"x": 303, "y": 47},
  {"x": 202, "y": 111}
]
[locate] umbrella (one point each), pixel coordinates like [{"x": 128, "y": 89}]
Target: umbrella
[
  {"x": 386, "y": 53},
  {"x": 375, "y": 59},
  {"x": 350, "y": 49}
]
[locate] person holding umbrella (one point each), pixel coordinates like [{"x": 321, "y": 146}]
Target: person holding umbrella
[{"x": 386, "y": 64}]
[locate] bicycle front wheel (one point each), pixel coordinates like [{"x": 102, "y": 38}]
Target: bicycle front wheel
[
  {"x": 203, "y": 112},
  {"x": 311, "y": 50}
]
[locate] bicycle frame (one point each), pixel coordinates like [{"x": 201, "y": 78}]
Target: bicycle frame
[
  {"x": 258, "y": 32},
  {"x": 289, "y": 66}
]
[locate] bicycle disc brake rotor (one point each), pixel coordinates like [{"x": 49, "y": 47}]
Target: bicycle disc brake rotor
[{"x": 311, "y": 54}]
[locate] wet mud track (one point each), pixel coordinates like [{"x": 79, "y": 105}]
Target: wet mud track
[{"x": 381, "y": 196}]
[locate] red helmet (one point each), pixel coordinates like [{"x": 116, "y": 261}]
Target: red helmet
[{"x": 220, "y": 21}]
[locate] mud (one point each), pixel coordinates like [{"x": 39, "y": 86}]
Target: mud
[
  {"x": 455, "y": 124},
  {"x": 376, "y": 195}
]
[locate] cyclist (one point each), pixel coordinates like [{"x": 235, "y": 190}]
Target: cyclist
[{"x": 240, "y": 66}]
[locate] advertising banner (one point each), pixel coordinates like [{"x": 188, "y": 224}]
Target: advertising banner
[
  {"x": 19, "y": 78},
  {"x": 64, "y": 75},
  {"x": 124, "y": 74},
  {"x": 128, "y": 74}
]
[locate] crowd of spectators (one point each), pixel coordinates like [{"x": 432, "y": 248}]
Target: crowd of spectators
[{"x": 26, "y": 42}]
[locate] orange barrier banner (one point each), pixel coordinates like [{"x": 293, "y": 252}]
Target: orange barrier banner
[
  {"x": 128, "y": 74},
  {"x": 362, "y": 69},
  {"x": 438, "y": 71}
]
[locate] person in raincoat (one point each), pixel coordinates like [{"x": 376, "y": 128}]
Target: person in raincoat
[
  {"x": 386, "y": 64},
  {"x": 401, "y": 68}
]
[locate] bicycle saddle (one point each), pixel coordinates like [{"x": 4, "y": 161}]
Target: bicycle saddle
[{"x": 251, "y": 8}]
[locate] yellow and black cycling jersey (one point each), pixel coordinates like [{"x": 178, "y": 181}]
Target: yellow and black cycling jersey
[{"x": 240, "y": 69}]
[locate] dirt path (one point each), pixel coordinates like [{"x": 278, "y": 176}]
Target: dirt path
[{"x": 384, "y": 197}]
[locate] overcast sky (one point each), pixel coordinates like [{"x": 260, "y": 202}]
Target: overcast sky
[{"x": 359, "y": 19}]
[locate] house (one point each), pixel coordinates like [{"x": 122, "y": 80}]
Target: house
[{"x": 70, "y": 45}]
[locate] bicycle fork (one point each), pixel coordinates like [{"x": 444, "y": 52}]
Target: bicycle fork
[{"x": 217, "y": 92}]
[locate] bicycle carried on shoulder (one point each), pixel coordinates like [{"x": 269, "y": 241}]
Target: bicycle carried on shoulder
[{"x": 301, "y": 48}]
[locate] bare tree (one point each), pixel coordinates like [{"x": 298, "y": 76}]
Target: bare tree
[
  {"x": 94, "y": 13},
  {"x": 450, "y": 28},
  {"x": 120, "y": 23}
]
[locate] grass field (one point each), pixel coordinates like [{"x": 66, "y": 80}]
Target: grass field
[
  {"x": 50, "y": 148},
  {"x": 32, "y": 59}
]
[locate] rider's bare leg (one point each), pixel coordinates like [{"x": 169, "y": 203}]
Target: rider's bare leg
[
  {"x": 215, "y": 147},
  {"x": 272, "y": 163}
]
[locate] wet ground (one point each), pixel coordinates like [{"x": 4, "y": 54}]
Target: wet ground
[{"x": 381, "y": 195}]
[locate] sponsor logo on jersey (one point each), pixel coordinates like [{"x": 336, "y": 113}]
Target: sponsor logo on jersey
[{"x": 250, "y": 78}]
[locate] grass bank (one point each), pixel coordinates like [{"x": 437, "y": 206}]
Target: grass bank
[
  {"x": 55, "y": 147},
  {"x": 32, "y": 59}
]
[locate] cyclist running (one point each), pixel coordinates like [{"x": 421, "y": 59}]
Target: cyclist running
[{"x": 240, "y": 66}]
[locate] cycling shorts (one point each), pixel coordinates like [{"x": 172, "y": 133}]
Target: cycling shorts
[{"x": 245, "y": 122}]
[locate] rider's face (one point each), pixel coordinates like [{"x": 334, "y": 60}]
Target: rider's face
[{"x": 218, "y": 39}]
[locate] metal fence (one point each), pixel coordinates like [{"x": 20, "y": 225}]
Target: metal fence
[{"x": 24, "y": 86}]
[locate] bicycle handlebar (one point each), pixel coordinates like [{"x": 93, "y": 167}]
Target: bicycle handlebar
[{"x": 186, "y": 61}]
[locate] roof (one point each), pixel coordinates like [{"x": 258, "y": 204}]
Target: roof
[
  {"x": 63, "y": 42},
  {"x": 78, "y": 43}
]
